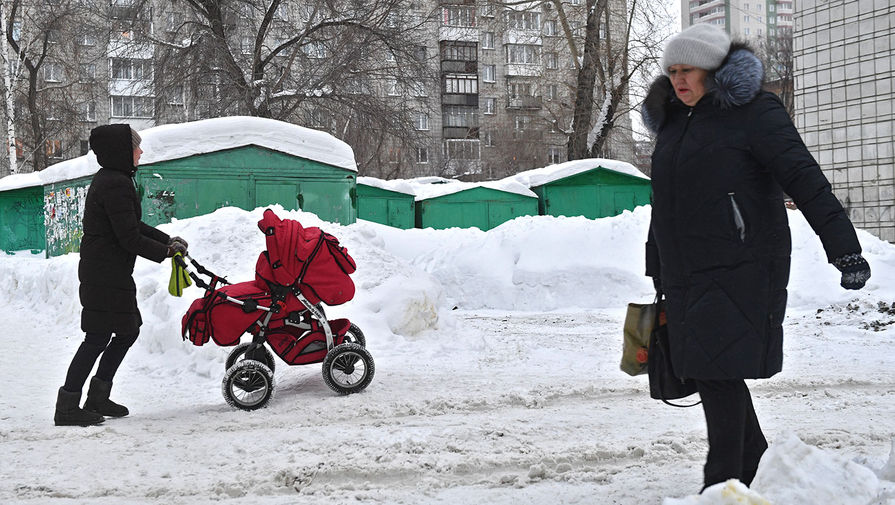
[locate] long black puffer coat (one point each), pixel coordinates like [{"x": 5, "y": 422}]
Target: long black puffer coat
[
  {"x": 719, "y": 236},
  {"x": 113, "y": 237}
]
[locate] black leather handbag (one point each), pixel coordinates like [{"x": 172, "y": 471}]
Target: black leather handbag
[{"x": 663, "y": 383}]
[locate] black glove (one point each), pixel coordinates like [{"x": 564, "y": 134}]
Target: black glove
[
  {"x": 178, "y": 239},
  {"x": 855, "y": 270},
  {"x": 176, "y": 247}
]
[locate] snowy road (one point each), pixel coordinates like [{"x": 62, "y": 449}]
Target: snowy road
[{"x": 505, "y": 408}]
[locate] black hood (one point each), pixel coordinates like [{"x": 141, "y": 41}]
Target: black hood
[
  {"x": 113, "y": 146},
  {"x": 737, "y": 82}
]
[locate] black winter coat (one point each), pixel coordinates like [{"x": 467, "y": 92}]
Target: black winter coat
[
  {"x": 719, "y": 236},
  {"x": 113, "y": 237}
]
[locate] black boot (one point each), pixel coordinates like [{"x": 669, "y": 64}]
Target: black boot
[
  {"x": 98, "y": 399},
  {"x": 68, "y": 413}
]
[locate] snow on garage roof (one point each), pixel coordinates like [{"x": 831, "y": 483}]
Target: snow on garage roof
[
  {"x": 548, "y": 174},
  {"x": 174, "y": 141},
  {"x": 397, "y": 185}
]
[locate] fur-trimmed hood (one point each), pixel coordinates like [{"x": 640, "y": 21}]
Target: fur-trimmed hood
[{"x": 737, "y": 82}]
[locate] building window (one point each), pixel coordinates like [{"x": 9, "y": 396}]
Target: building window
[
  {"x": 246, "y": 45},
  {"x": 487, "y": 10},
  {"x": 488, "y": 72},
  {"x": 176, "y": 95},
  {"x": 171, "y": 21},
  {"x": 391, "y": 87},
  {"x": 131, "y": 69},
  {"x": 459, "y": 116},
  {"x": 87, "y": 39},
  {"x": 555, "y": 155},
  {"x": 314, "y": 50},
  {"x": 86, "y": 72},
  {"x": 461, "y": 84},
  {"x": 550, "y": 27},
  {"x": 421, "y": 121},
  {"x": 87, "y": 111},
  {"x": 53, "y": 72},
  {"x": 281, "y": 13},
  {"x": 458, "y": 51},
  {"x": 461, "y": 149},
  {"x": 85, "y": 147},
  {"x": 552, "y": 60},
  {"x": 487, "y": 138},
  {"x": 521, "y": 123},
  {"x": 54, "y": 149},
  {"x": 523, "y": 53},
  {"x": 523, "y": 20},
  {"x": 520, "y": 89},
  {"x": 132, "y": 106},
  {"x": 458, "y": 15},
  {"x": 422, "y": 155},
  {"x": 488, "y": 105},
  {"x": 552, "y": 91},
  {"x": 488, "y": 40}
]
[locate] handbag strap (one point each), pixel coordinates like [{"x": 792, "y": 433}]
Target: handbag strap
[{"x": 659, "y": 298}]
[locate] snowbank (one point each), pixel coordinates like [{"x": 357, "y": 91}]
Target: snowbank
[{"x": 794, "y": 473}]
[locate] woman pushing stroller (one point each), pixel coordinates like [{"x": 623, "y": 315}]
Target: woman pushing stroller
[{"x": 113, "y": 236}]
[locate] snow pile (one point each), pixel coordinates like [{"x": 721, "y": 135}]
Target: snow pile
[
  {"x": 548, "y": 263},
  {"x": 794, "y": 473},
  {"x": 174, "y": 141}
]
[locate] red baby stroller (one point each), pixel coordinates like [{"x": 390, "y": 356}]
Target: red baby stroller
[{"x": 301, "y": 269}]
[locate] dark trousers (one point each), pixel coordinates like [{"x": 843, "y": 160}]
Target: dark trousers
[
  {"x": 113, "y": 350},
  {"x": 736, "y": 442}
]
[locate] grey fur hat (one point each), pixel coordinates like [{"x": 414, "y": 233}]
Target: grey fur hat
[
  {"x": 702, "y": 45},
  {"x": 135, "y": 138}
]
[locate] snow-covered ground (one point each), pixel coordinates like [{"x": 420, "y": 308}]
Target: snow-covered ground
[{"x": 497, "y": 381}]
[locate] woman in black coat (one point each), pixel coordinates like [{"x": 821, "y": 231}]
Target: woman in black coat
[
  {"x": 719, "y": 242},
  {"x": 113, "y": 236}
]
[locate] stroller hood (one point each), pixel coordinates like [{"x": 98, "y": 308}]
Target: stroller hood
[{"x": 306, "y": 258}]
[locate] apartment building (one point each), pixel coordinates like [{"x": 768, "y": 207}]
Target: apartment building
[
  {"x": 500, "y": 100},
  {"x": 844, "y": 99},
  {"x": 745, "y": 19}
]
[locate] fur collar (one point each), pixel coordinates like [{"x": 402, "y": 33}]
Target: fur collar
[{"x": 737, "y": 82}]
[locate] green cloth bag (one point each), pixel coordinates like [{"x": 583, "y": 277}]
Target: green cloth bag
[
  {"x": 180, "y": 279},
  {"x": 639, "y": 323}
]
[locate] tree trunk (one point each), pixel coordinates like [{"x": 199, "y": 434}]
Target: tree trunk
[{"x": 10, "y": 101}]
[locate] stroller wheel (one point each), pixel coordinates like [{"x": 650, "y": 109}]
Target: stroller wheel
[
  {"x": 348, "y": 368},
  {"x": 248, "y": 385},
  {"x": 261, "y": 353},
  {"x": 355, "y": 336}
]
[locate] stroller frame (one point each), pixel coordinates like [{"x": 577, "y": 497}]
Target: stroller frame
[{"x": 251, "y": 375}]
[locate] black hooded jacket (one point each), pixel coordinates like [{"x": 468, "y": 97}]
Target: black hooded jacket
[
  {"x": 113, "y": 237},
  {"x": 719, "y": 237}
]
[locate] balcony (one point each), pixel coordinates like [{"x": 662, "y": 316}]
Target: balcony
[
  {"x": 458, "y": 33},
  {"x": 524, "y": 69},
  {"x": 525, "y": 102},
  {"x": 460, "y": 99},
  {"x": 459, "y": 67},
  {"x": 460, "y": 132}
]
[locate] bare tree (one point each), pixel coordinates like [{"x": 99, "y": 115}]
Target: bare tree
[
  {"x": 51, "y": 48},
  {"x": 338, "y": 65},
  {"x": 777, "y": 56}
]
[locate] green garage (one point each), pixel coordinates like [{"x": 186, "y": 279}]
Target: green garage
[
  {"x": 194, "y": 168},
  {"x": 385, "y": 202},
  {"x": 465, "y": 205},
  {"x": 592, "y": 188}
]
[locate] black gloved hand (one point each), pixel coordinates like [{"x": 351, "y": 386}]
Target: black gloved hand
[
  {"x": 176, "y": 247},
  {"x": 178, "y": 239},
  {"x": 855, "y": 270}
]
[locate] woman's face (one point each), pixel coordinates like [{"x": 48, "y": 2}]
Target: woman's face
[
  {"x": 137, "y": 153},
  {"x": 688, "y": 82}
]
